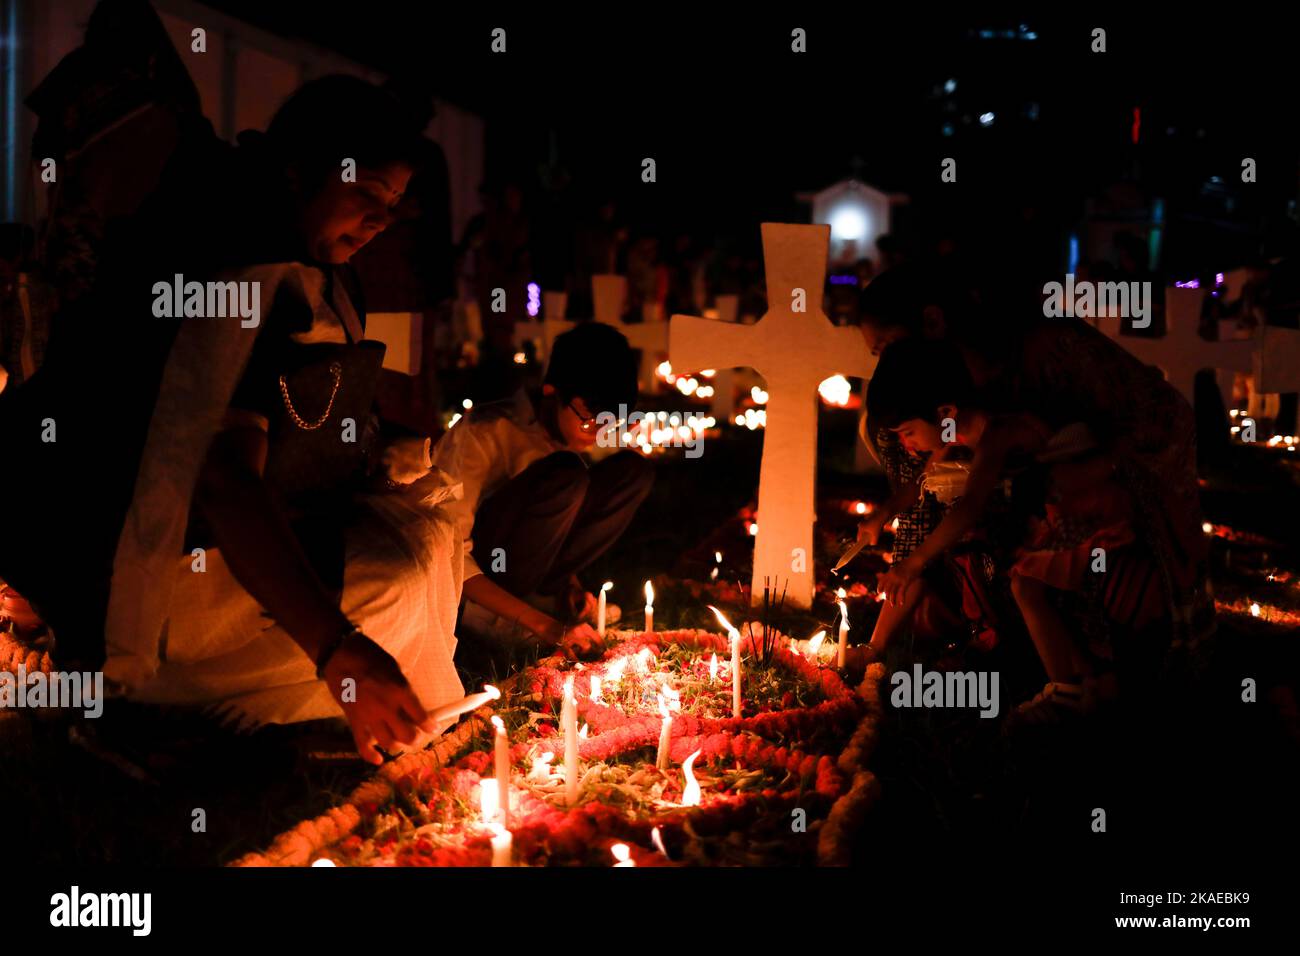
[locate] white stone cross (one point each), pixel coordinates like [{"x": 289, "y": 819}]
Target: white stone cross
[
  {"x": 609, "y": 295},
  {"x": 1181, "y": 352},
  {"x": 794, "y": 352},
  {"x": 1277, "y": 367},
  {"x": 609, "y": 292}
]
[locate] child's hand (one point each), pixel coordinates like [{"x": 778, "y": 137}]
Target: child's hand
[
  {"x": 581, "y": 642},
  {"x": 869, "y": 530},
  {"x": 896, "y": 582}
]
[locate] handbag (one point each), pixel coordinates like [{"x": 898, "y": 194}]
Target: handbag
[{"x": 311, "y": 452}]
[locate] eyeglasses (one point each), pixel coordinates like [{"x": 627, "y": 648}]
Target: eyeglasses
[{"x": 585, "y": 422}]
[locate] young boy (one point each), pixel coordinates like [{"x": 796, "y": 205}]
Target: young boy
[{"x": 534, "y": 513}]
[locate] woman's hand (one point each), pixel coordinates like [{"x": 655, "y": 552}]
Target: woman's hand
[
  {"x": 380, "y": 706},
  {"x": 895, "y": 583}
]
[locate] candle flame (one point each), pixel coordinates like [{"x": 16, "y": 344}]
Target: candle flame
[
  {"x": 844, "y": 616},
  {"x": 723, "y": 621},
  {"x": 499, "y": 724},
  {"x": 492, "y": 691},
  {"x": 621, "y": 852},
  {"x": 607, "y": 585},
  {"x": 815, "y": 643},
  {"x": 717, "y": 556},
  {"x": 326, "y": 861},
  {"x": 649, "y": 594},
  {"x": 568, "y": 689},
  {"x": 713, "y": 667},
  {"x": 1254, "y": 610},
  {"x": 658, "y": 841},
  {"x": 691, "y": 792},
  {"x": 840, "y": 593}
]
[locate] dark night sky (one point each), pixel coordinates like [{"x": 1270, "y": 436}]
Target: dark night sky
[{"x": 738, "y": 124}]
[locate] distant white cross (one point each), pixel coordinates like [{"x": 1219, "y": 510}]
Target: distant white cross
[
  {"x": 609, "y": 295},
  {"x": 1181, "y": 352},
  {"x": 794, "y": 352}
]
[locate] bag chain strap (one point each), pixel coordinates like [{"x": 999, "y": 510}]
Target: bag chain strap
[{"x": 337, "y": 371}]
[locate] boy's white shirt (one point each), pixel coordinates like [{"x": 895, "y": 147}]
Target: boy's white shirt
[{"x": 484, "y": 450}]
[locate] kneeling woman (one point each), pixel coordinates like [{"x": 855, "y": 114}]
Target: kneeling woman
[
  {"x": 1081, "y": 558},
  {"x": 250, "y": 572}
]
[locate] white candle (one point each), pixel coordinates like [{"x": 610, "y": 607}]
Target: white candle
[
  {"x": 472, "y": 702},
  {"x": 649, "y": 607},
  {"x": 488, "y": 803},
  {"x": 844, "y": 629},
  {"x": 665, "y": 734},
  {"x": 595, "y": 690},
  {"x": 569, "y": 719},
  {"x": 600, "y": 608},
  {"x": 502, "y": 846},
  {"x": 502, "y": 754},
  {"x": 735, "y": 673},
  {"x": 735, "y": 660}
]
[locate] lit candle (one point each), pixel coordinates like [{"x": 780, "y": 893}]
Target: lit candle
[
  {"x": 735, "y": 674},
  {"x": 1254, "y": 610},
  {"x": 472, "y": 702},
  {"x": 649, "y": 607},
  {"x": 569, "y": 718},
  {"x": 600, "y": 608},
  {"x": 713, "y": 669},
  {"x": 735, "y": 660},
  {"x": 665, "y": 734},
  {"x": 502, "y": 754},
  {"x": 622, "y": 854},
  {"x": 502, "y": 843},
  {"x": 844, "y": 629}
]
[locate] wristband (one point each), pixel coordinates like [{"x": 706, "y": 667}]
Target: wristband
[{"x": 331, "y": 647}]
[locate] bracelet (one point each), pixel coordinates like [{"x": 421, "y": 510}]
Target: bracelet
[{"x": 332, "y": 646}]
